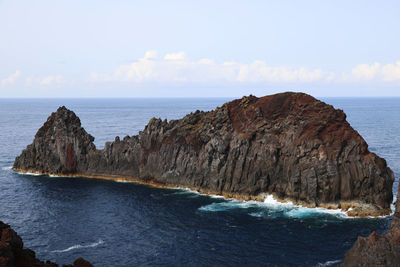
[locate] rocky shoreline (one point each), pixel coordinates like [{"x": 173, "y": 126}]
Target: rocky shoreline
[
  {"x": 259, "y": 198},
  {"x": 13, "y": 253},
  {"x": 290, "y": 145},
  {"x": 377, "y": 250}
]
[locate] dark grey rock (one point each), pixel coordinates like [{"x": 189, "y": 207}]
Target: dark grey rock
[{"x": 289, "y": 144}]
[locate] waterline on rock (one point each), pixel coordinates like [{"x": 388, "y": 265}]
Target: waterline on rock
[{"x": 273, "y": 208}]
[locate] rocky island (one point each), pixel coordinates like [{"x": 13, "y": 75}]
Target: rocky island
[{"x": 290, "y": 145}]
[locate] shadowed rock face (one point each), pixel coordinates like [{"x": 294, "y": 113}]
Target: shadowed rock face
[
  {"x": 377, "y": 250},
  {"x": 289, "y": 144},
  {"x": 13, "y": 254}
]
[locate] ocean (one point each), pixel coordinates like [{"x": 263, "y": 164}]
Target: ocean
[{"x": 126, "y": 224}]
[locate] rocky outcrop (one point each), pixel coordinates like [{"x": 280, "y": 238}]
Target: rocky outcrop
[
  {"x": 290, "y": 145},
  {"x": 13, "y": 253},
  {"x": 377, "y": 250}
]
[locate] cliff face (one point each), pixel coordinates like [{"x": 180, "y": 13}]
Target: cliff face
[
  {"x": 377, "y": 250},
  {"x": 290, "y": 145},
  {"x": 13, "y": 254}
]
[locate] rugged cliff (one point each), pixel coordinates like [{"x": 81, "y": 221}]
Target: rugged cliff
[
  {"x": 290, "y": 145},
  {"x": 13, "y": 253},
  {"x": 377, "y": 250}
]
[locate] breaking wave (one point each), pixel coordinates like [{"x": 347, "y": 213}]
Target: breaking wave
[
  {"x": 328, "y": 263},
  {"x": 92, "y": 245},
  {"x": 272, "y": 208},
  {"x": 29, "y": 173}
]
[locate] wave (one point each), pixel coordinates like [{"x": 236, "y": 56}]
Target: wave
[
  {"x": 92, "y": 245},
  {"x": 121, "y": 180},
  {"x": 328, "y": 263},
  {"x": 6, "y": 168},
  {"x": 230, "y": 204},
  {"x": 273, "y": 208},
  {"x": 186, "y": 190},
  {"x": 29, "y": 173}
]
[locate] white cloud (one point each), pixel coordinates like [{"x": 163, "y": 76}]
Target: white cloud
[
  {"x": 11, "y": 79},
  {"x": 258, "y": 71},
  {"x": 391, "y": 72},
  {"x": 44, "y": 81},
  {"x": 365, "y": 71},
  {"x": 176, "y": 68},
  {"x": 175, "y": 56},
  {"x": 150, "y": 54},
  {"x": 376, "y": 72},
  {"x": 49, "y": 80}
]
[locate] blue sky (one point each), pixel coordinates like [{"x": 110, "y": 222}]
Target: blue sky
[{"x": 198, "y": 48}]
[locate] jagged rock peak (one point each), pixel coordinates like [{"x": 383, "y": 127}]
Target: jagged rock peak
[
  {"x": 64, "y": 142},
  {"x": 62, "y": 119}
]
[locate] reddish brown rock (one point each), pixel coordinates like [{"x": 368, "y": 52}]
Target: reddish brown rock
[
  {"x": 377, "y": 250},
  {"x": 290, "y": 145},
  {"x": 80, "y": 262},
  {"x": 13, "y": 253}
]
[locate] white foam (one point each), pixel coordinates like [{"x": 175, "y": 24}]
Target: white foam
[
  {"x": 328, "y": 263},
  {"x": 229, "y": 205},
  {"x": 272, "y": 207},
  {"x": 6, "y": 168},
  {"x": 56, "y": 176},
  {"x": 92, "y": 245},
  {"x": 301, "y": 212},
  {"x": 296, "y": 211},
  {"x": 188, "y": 190},
  {"x": 29, "y": 173},
  {"x": 123, "y": 181}
]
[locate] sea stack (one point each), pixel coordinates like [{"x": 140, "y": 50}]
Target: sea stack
[{"x": 290, "y": 145}]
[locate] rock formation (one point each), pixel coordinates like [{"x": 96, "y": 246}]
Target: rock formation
[
  {"x": 290, "y": 145},
  {"x": 13, "y": 254},
  {"x": 377, "y": 250}
]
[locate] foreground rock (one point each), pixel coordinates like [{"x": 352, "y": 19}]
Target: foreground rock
[
  {"x": 13, "y": 253},
  {"x": 290, "y": 145},
  {"x": 377, "y": 250}
]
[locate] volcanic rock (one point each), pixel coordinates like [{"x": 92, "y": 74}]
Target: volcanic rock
[
  {"x": 377, "y": 250},
  {"x": 290, "y": 145},
  {"x": 13, "y": 253}
]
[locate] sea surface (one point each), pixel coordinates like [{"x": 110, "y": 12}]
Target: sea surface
[{"x": 126, "y": 224}]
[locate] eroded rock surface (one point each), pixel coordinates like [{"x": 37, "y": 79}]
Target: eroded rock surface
[
  {"x": 377, "y": 250},
  {"x": 290, "y": 145},
  {"x": 13, "y": 253}
]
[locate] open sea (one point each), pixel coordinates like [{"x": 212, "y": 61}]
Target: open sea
[{"x": 126, "y": 224}]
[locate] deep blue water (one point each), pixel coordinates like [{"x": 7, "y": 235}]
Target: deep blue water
[{"x": 125, "y": 224}]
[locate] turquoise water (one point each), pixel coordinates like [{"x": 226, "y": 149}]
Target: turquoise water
[{"x": 125, "y": 224}]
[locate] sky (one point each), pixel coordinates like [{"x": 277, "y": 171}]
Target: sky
[{"x": 57, "y": 48}]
